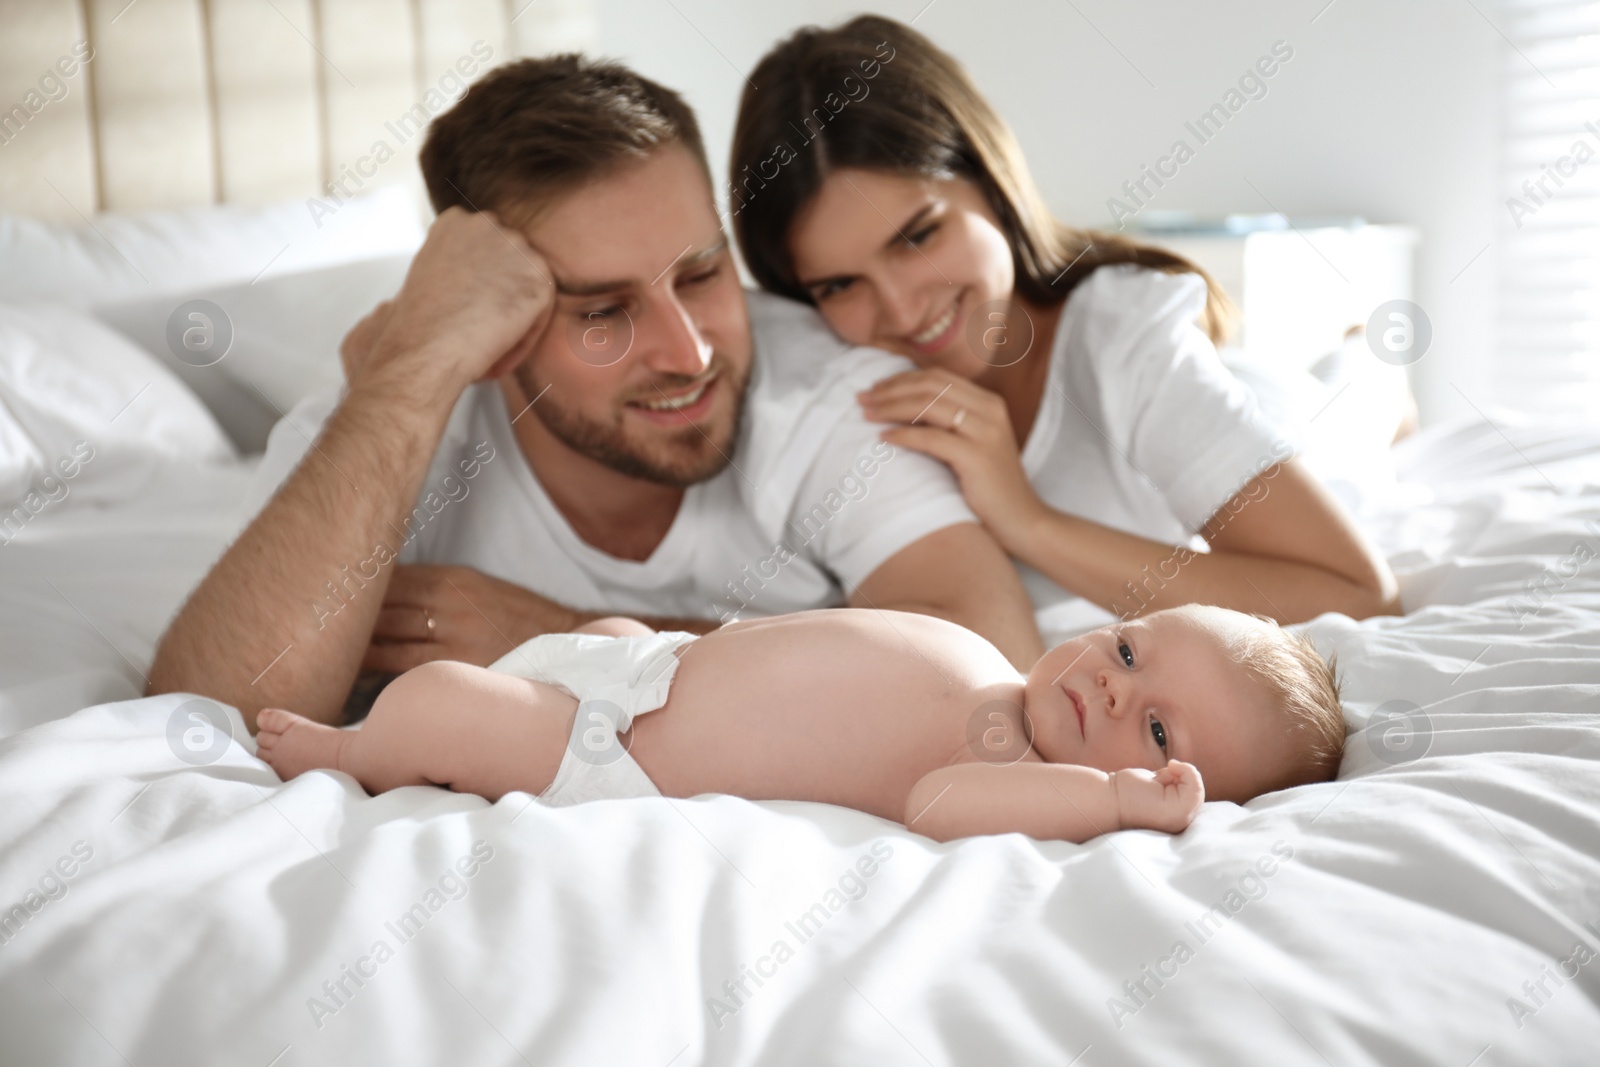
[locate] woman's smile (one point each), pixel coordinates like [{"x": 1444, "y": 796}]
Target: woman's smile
[{"x": 936, "y": 336}]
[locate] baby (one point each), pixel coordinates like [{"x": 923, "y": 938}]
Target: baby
[{"x": 905, "y": 716}]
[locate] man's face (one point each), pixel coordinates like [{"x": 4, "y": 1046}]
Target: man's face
[{"x": 644, "y": 363}]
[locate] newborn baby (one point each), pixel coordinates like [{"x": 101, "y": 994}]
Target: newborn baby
[{"x": 905, "y": 716}]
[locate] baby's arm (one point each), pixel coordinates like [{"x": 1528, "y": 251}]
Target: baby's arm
[{"x": 1052, "y": 801}]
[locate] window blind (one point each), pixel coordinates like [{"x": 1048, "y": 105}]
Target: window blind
[{"x": 1547, "y": 356}]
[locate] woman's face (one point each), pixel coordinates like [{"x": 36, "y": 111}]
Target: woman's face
[{"x": 917, "y": 266}]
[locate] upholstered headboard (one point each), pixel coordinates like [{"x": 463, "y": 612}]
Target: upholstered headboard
[{"x": 129, "y": 105}]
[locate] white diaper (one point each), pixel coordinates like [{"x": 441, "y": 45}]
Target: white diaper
[{"x": 613, "y": 679}]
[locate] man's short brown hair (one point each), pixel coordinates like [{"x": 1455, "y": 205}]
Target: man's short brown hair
[{"x": 533, "y": 129}]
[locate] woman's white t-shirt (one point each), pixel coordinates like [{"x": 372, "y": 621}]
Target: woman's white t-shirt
[{"x": 1141, "y": 427}]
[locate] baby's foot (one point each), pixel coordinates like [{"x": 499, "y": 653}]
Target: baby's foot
[{"x": 292, "y": 744}]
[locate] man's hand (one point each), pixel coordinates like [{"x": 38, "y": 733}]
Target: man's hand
[
  {"x": 357, "y": 344},
  {"x": 475, "y": 302},
  {"x": 438, "y": 612},
  {"x": 1166, "y": 800}
]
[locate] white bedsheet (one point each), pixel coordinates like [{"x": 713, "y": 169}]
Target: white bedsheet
[
  {"x": 86, "y": 591},
  {"x": 1390, "y": 917}
]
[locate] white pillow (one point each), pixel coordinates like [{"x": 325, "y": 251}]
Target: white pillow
[
  {"x": 123, "y": 257},
  {"x": 285, "y": 339},
  {"x": 1341, "y": 415},
  {"x": 72, "y": 389}
]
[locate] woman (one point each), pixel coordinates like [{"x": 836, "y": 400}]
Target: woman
[{"x": 1061, "y": 373}]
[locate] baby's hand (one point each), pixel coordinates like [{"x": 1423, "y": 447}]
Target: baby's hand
[{"x": 1166, "y": 800}]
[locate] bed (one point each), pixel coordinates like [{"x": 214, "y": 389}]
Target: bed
[
  {"x": 165, "y": 899},
  {"x": 1439, "y": 903}
]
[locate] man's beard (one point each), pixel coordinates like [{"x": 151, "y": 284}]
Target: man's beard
[{"x": 693, "y": 457}]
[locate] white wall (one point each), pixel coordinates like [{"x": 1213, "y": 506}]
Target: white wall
[{"x": 1388, "y": 110}]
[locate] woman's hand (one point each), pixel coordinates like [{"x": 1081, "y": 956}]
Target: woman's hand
[{"x": 966, "y": 427}]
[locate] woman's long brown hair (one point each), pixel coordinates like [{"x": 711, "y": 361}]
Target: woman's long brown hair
[{"x": 875, "y": 94}]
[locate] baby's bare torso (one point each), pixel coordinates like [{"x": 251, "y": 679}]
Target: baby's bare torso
[{"x": 846, "y": 707}]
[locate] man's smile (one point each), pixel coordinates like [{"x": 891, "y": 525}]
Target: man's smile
[{"x": 689, "y": 404}]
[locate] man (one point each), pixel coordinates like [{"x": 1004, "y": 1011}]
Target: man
[{"x": 548, "y": 416}]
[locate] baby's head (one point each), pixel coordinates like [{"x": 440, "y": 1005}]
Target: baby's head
[{"x": 1253, "y": 707}]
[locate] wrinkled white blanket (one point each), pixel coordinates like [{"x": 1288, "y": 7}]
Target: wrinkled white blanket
[{"x": 1438, "y": 904}]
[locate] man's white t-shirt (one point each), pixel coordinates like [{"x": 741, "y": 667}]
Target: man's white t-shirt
[
  {"x": 1141, "y": 427},
  {"x": 811, "y": 504}
]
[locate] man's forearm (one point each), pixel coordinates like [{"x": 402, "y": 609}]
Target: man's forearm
[
  {"x": 658, "y": 623},
  {"x": 251, "y": 633},
  {"x": 1014, "y": 632},
  {"x": 542, "y": 615},
  {"x": 959, "y": 573}
]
